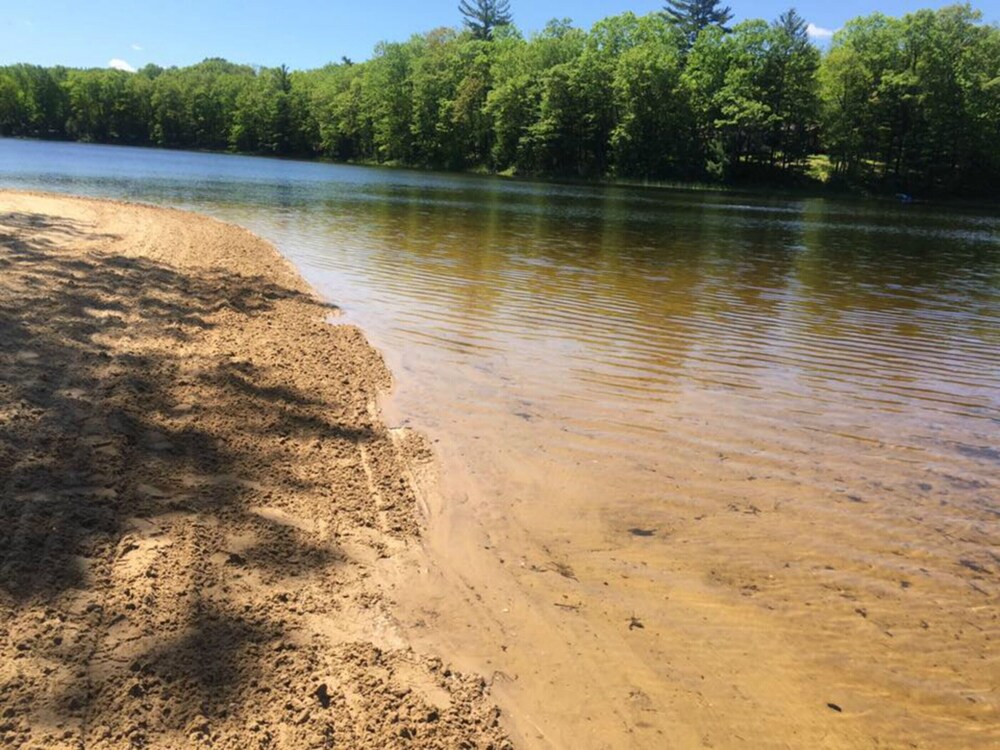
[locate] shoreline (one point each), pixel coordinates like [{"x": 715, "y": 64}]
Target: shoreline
[
  {"x": 694, "y": 603},
  {"x": 796, "y": 190},
  {"x": 201, "y": 497}
]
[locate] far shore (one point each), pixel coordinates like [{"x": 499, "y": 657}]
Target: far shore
[{"x": 804, "y": 188}]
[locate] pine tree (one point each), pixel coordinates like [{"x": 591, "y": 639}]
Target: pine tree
[
  {"x": 482, "y": 16},
  {"x": 691, "y": 16},
  {"x": 793, "y": 24}
]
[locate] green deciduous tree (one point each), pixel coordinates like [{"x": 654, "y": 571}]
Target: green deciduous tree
[
  {"x": 755, "y": 96},
  {"x": 652, "y": 136},
  {"x": 10, "y": 105},
  {"x": 912, "y": 102},
  {"x": 107, "y": 106},
  {"x": 261, "y": 118},
  {"x": 387, "y": 99}
]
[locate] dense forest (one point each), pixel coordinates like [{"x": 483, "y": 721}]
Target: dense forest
[{"x": 900, "y": 104}]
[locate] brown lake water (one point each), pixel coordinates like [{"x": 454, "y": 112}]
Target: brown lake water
[{"x": 717, "y": 469}]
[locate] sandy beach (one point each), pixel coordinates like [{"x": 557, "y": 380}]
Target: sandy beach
[{"x": 196, "y": 488}]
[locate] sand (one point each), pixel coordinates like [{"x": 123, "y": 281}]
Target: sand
[{"x": 198, "y": 495}]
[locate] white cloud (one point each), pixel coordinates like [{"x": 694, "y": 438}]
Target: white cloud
[
  {"x": 136, "y": 47},
  {"x": 818, "y": 32},
  {"x": 120, "y": 65}
]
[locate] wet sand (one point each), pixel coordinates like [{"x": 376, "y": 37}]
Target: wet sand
[{"x": 198, "y": 494}]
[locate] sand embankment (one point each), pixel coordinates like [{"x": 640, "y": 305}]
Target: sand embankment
[{"x": 196, "y": 488}]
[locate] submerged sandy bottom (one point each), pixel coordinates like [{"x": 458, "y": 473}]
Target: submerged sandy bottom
[
  {"x": 719, "y": 599},
  {"x": 743, "y": 568},
  {"x": 197, "y": 490}
]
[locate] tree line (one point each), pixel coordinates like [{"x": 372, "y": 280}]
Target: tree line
[{"x": 909, "y": 103}]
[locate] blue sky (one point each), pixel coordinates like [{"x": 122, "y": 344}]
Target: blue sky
[{"x": 310, "y": 33}]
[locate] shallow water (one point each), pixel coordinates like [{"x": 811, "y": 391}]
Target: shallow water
[
  {"x": 609, "y": 367},
  {"x": 613, "y": 299}
]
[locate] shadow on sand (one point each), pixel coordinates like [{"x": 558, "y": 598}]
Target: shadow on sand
[{"x": 115, "y": 444}]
